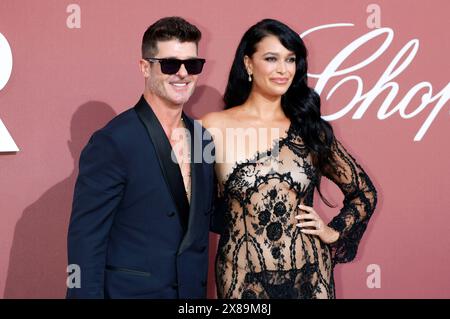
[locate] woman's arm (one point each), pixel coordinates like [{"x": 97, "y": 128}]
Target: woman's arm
[{"x": 358, "y": 206}]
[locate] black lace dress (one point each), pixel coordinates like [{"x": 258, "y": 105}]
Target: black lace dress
[{"x": 262, "y": 253}]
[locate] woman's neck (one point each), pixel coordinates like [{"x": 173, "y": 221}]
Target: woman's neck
[{"x": 266, "y": 108}]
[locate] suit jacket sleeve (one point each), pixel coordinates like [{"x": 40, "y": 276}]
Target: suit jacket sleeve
[{"x": 97, "y": 194}]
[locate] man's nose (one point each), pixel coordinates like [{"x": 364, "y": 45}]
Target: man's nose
[{"x": 182, "y": 72}]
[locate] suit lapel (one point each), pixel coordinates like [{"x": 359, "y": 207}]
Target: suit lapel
[
  {"x": 196, "y": 180},
  {"x": 171, "y": 171}
]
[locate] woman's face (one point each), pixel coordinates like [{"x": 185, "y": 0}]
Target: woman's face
[{"x": 272, "y": 67}]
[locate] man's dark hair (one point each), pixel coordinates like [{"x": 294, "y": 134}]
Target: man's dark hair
[{"x": 166, "y": 29}]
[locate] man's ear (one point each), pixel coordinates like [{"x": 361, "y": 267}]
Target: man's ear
[{"x": 144, "y": 65}]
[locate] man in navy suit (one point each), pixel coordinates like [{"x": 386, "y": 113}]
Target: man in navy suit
[{"x": 141, "y": 211}]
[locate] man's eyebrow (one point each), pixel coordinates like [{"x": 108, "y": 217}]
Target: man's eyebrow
[{"x": 174, "y": 57}]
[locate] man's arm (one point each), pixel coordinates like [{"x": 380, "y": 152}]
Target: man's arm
[{"x": 98, "y": 191}]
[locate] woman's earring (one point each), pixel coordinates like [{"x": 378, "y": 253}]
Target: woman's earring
[{"x": 249, "y": 77}]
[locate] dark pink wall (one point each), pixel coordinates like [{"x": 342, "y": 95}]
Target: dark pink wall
[{"x": 66, "y": 83}]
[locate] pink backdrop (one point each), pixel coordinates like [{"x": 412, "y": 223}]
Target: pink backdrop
[{"x": 67, "y": 82}]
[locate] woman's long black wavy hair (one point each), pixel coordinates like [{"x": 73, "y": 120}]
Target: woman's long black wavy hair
[{"x": 301, "y": 104}]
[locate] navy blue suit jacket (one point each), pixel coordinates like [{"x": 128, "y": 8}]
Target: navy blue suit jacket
[{"x": 128, "y": 232}]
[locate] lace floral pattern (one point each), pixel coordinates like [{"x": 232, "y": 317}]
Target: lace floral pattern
[{"x": 262, "y": 254}]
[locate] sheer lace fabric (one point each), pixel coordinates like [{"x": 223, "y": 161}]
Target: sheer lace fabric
[{"x": 262, "y": 253}]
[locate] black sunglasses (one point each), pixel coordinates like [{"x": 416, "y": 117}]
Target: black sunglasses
[{"x": 172, "y": 65}]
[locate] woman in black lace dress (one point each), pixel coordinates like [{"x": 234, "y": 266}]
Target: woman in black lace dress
[{"x": 272, "y": 147}]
